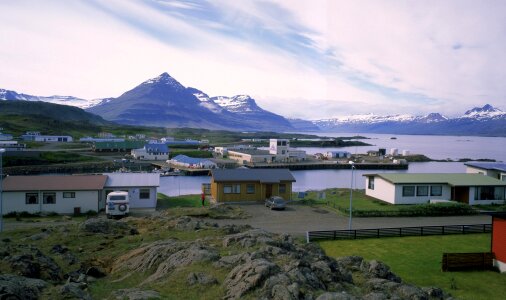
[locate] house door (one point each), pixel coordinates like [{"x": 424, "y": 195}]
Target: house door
[
  {"x": 268, "y": 190},
  {"x": 461, "y": 194}
]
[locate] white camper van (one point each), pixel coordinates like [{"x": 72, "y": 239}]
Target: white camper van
[{"x": 117, "y": 204}]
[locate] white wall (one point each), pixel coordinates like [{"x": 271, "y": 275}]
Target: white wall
[
  {"x": 16, "y": 201},
  {"x": 383, "y": 190},
  {"x": 472, "y": 201},
  {"x": 133, "y": 193},
  {"x": 388, "y": 192},
  {"x": 492, "y": 173}
]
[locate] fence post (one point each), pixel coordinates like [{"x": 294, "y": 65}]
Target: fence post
[
  {"x": 443, "y": 230},
  {"x": 463, "y": 229},
  {"x": 355, "y": 232},
  {"x": 378, "y": 232},
  {"x": 307, "y": 237},
  {"x": 421, "y": 231},
  {"x": 400, "y": 231},
  {"x": 334, "y": 235}
]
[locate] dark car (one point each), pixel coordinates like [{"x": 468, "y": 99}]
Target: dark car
[{"x": 275, "y": 202}]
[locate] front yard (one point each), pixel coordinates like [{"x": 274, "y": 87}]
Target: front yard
[{"x": 417, "y": 260}]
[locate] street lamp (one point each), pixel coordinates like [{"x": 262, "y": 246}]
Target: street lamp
[
  {"x": 352, "y": 164},
  {"x": 1, "y": 203}
]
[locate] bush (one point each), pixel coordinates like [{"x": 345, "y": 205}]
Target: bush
[
  {"x": 417, "y": 210},
  {"x": 91, "y": 213}
]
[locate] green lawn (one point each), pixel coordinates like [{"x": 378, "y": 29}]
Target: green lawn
[
  {"x": 165, "y": 201},
  {"x": 417, "y": 260}
]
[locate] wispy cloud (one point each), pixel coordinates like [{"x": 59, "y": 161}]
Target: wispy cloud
[{"x": 333, "y": 57}]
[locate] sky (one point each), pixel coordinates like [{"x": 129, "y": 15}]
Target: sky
[{"x": 309, "y": 59}]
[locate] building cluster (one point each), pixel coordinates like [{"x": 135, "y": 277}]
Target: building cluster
[{"x": 279, "y": 152}]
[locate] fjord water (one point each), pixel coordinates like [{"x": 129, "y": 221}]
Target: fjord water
[{"x": 435, "y": 147}]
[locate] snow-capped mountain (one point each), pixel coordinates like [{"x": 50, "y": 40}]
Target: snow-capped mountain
[
  {"x": 163, "y": 101},
  {"x": 485, "y": 112},
  {"x": 485, "y": 120},
  {"x": 237, "y": 104},
  {"x": 63, "y": 100}
]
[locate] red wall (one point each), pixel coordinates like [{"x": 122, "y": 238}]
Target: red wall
[{"x": 499, "y": 238}]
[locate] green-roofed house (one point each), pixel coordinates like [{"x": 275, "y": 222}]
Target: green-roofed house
[{"x": 411, "y": 188}]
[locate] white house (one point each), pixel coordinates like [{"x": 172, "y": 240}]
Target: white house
[
  {"x": 141, "y": 187},
  {"x": 492, "y": 169},
  {"x": 60, "y": 194},
  {"x": 152, "y": 151},
  {"x": 411, "y": 188}
]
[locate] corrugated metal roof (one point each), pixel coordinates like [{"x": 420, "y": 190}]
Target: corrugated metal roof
[
  {"x": 261, "y": 175},
  {"x": 132, "y": 179},
  {"x": 497, "y": 166},
  {"x": 54, "y": 183},
  {"x": 189, "y": 160},
  {"x": 453, "y": 179},
  {"x": 157, "y": 148}
]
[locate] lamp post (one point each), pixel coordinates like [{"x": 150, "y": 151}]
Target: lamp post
[
  {"x": 1, "y": 203},
  {"x": 351, "y": 192}
]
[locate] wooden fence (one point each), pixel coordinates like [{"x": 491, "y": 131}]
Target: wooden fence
[
  {"x": 396, "y": 232},
  {"x": 467, "y": 261}
]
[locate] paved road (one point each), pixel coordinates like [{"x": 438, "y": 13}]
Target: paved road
[{"x": 297, "y": 219}]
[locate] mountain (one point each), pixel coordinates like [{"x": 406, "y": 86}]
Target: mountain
[
  {"x": 163, "y": 101},
  {"x": 63, "y": 100},
  {"x": 486, "y": 120},
  {"x": 17, "y": 117},
  {"x": 303, "y": 125}
]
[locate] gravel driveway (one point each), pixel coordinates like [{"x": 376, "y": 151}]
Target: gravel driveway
[{"x": 297, "y": 219}]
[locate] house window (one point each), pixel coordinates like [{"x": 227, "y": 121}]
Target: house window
[
  {"x": 250, "y": 189},
  {"x": 69, "y": 194},
  {"x": 370, "y": 184},
  {"x": 436, "y": 190},
  {"x": 144, "y": 194},
  {"x": 32, "y": 198},
  {"x": 232, "y": 189},
  {"x": 489, "y": 193},
  {"x": 282, "y": 188},
  {"x": 422, "y": 190},
  {"x": 408, "y": 191},
  {"x": 49, "y": 198}
]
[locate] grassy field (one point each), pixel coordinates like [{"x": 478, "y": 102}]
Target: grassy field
[
  {"x": 417, "y": 260},
  {"x": 165, "y": 201}
]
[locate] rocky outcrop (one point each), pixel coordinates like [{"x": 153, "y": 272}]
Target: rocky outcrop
[
  {"x": 136, "y": 294},
  {"x": 29, "y": 261},
  {"x": 200, "y": 278},
  {"x": 107, "y": 226},
  {"x": 19, "y": 287}
]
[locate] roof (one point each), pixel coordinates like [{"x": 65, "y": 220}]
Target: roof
[
  {"x": 132, "y": 179},
  {"x": 496, "y": 166},
  {"x": 54, "y": 183},
  {"x": 261, "y": 175},
  {"x": 453, "y": 179},
  {"x": 157, "y": 148},
  {"x": 190, "y": 160}
]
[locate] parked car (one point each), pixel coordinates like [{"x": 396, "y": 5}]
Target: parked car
[{"x": 275, "y": 202}]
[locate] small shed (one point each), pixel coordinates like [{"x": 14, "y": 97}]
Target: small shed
[{"x": 498, "y": 246}]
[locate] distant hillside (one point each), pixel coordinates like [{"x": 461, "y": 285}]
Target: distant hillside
[{"x": 19, "y": 116}]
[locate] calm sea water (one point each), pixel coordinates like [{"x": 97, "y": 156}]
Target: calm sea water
[{"x": 435, "y": 147}]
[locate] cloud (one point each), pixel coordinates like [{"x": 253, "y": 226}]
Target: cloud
[{"x": 310, "y": 59}]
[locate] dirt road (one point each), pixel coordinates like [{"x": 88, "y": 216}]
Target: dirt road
[{"x": 297, "y": 219}]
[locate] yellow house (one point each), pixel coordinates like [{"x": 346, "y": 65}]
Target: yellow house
[{"x": 237, "y": 185}]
